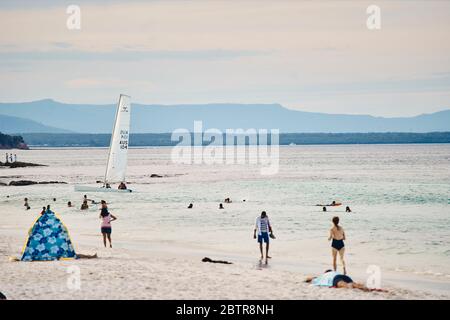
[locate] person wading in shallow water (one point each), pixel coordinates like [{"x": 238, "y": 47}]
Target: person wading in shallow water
[
  {"x": 262, "y": 229},
  {"x": 26, "y": 205}
]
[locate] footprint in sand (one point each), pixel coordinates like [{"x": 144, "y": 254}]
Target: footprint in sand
[{"x": 261, "y": 265}]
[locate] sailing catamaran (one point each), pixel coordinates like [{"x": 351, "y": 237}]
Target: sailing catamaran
[{"x": 118, "y": 150}]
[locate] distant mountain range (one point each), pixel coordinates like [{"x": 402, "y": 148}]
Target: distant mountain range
[
  {"x": 10, "y": 124},
  {"x": 54, "y": 117}
]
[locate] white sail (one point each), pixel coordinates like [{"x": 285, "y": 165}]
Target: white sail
[{"x": 118, "y": 151}]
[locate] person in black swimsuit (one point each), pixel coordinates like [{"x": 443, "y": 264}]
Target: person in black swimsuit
[{"x": 337, "y": 235}]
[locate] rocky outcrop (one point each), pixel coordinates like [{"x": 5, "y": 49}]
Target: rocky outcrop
[
  {"x": 22, "y": 183},
  {"x": 52, "y": 182},
  {"x": 29, "y": 182},
  {"x": 19, "y": 164}
]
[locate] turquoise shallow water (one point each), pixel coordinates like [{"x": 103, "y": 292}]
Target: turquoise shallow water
[{"x": 400, "y": 195}]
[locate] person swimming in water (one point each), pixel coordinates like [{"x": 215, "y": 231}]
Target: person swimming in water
[
  {"x": 221, "y": 206},
  {"x": 190, "y": 206},
  {"x": 84, "y": 205},
  {"x": 347, "y": 209},
  {"x": 337, "y": 237}
]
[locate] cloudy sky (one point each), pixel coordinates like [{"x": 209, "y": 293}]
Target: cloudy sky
[{"x": 308, "y": 55}]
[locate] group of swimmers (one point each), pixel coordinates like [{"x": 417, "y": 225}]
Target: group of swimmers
[
  {"x": 27, "y": 205},
  {"x": 227, "y": 200},
  {"x": 334, "y": 204},
  {"x": 84, "y": 205}
]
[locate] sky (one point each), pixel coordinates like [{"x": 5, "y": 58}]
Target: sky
[{"x": 316, "y": 56}]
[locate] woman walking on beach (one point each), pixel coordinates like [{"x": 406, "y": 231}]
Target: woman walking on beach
[
  {"x": 337, "y": 235},
  {"x": 106, "y": 227}
]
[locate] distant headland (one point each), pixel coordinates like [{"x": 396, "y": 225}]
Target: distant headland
[{"x": 12, "y": 142}]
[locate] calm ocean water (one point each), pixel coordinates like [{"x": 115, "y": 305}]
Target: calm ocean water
[{"x": 400, "y": 195}]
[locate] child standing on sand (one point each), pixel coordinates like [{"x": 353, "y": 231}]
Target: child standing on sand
[{"x": 106, "y": 227}]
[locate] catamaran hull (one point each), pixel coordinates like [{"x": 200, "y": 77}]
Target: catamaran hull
[{"x": 99, "y": 189}]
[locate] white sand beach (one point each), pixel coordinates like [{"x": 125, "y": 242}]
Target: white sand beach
[{"x": 400, "y": 223}]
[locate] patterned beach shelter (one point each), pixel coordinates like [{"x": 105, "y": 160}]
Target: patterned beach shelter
[{"x": 48, "y": 240}]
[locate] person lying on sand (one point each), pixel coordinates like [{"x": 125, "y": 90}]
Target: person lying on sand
[{"x": 333, "y": 279}]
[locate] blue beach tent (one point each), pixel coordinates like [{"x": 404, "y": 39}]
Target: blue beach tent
[{"x": 48, "y": 239}]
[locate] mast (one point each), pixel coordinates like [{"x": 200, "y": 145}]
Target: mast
[{"x": 111, "y": 140}]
